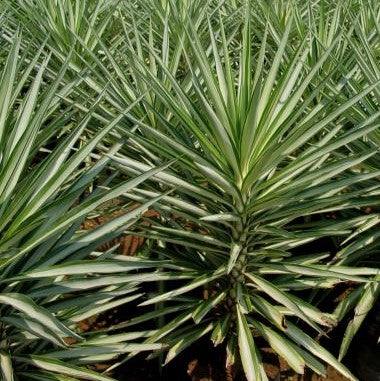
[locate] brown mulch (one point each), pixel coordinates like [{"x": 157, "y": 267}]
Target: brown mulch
[{"x": 128, "y": 244}]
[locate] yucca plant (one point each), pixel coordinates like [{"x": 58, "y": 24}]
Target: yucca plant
[
  {"x": 266, "y": 148},
  {"x": 61, "y": 22},
  {"x": 357, "y": 22},
  {"x": 271, "y": 114},
  {"x": 52, "y": 276}
]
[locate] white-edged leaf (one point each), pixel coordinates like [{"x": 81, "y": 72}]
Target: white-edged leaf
[{"x": 249, "y": 354}]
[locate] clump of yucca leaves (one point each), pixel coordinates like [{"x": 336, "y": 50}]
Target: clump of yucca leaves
[
  {"x": 270, "y": 112},
  {"x": 49, "y": 267}
]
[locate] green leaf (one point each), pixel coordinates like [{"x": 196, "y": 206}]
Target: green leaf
[
  {"x": 234, "y": 254},
  {"x": 282, "y": 298},
  {"x": 203, "y": 279},
  {"x": 206, "y": 306},
  {"x": 364, "y": 305},
  {"x": 6, "y": 366},
  {"x": 35, "y": 328},
  {"x": 221, "y": 329},
  {"x": 61, "y": 367},
  {"x": 31, "y": 309},
  {"x": 186, "y": 340},
  {"x": 281, "y": 346},
  {"x": 248, "y": 351},
  {"x": 317, "y": 350}
]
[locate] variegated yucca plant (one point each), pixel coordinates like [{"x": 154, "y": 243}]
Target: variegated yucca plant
[
  {"x": 49, "y": 265},
  {"x": 271, "y": 135},
  {"x": 253, "y": 128}
]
